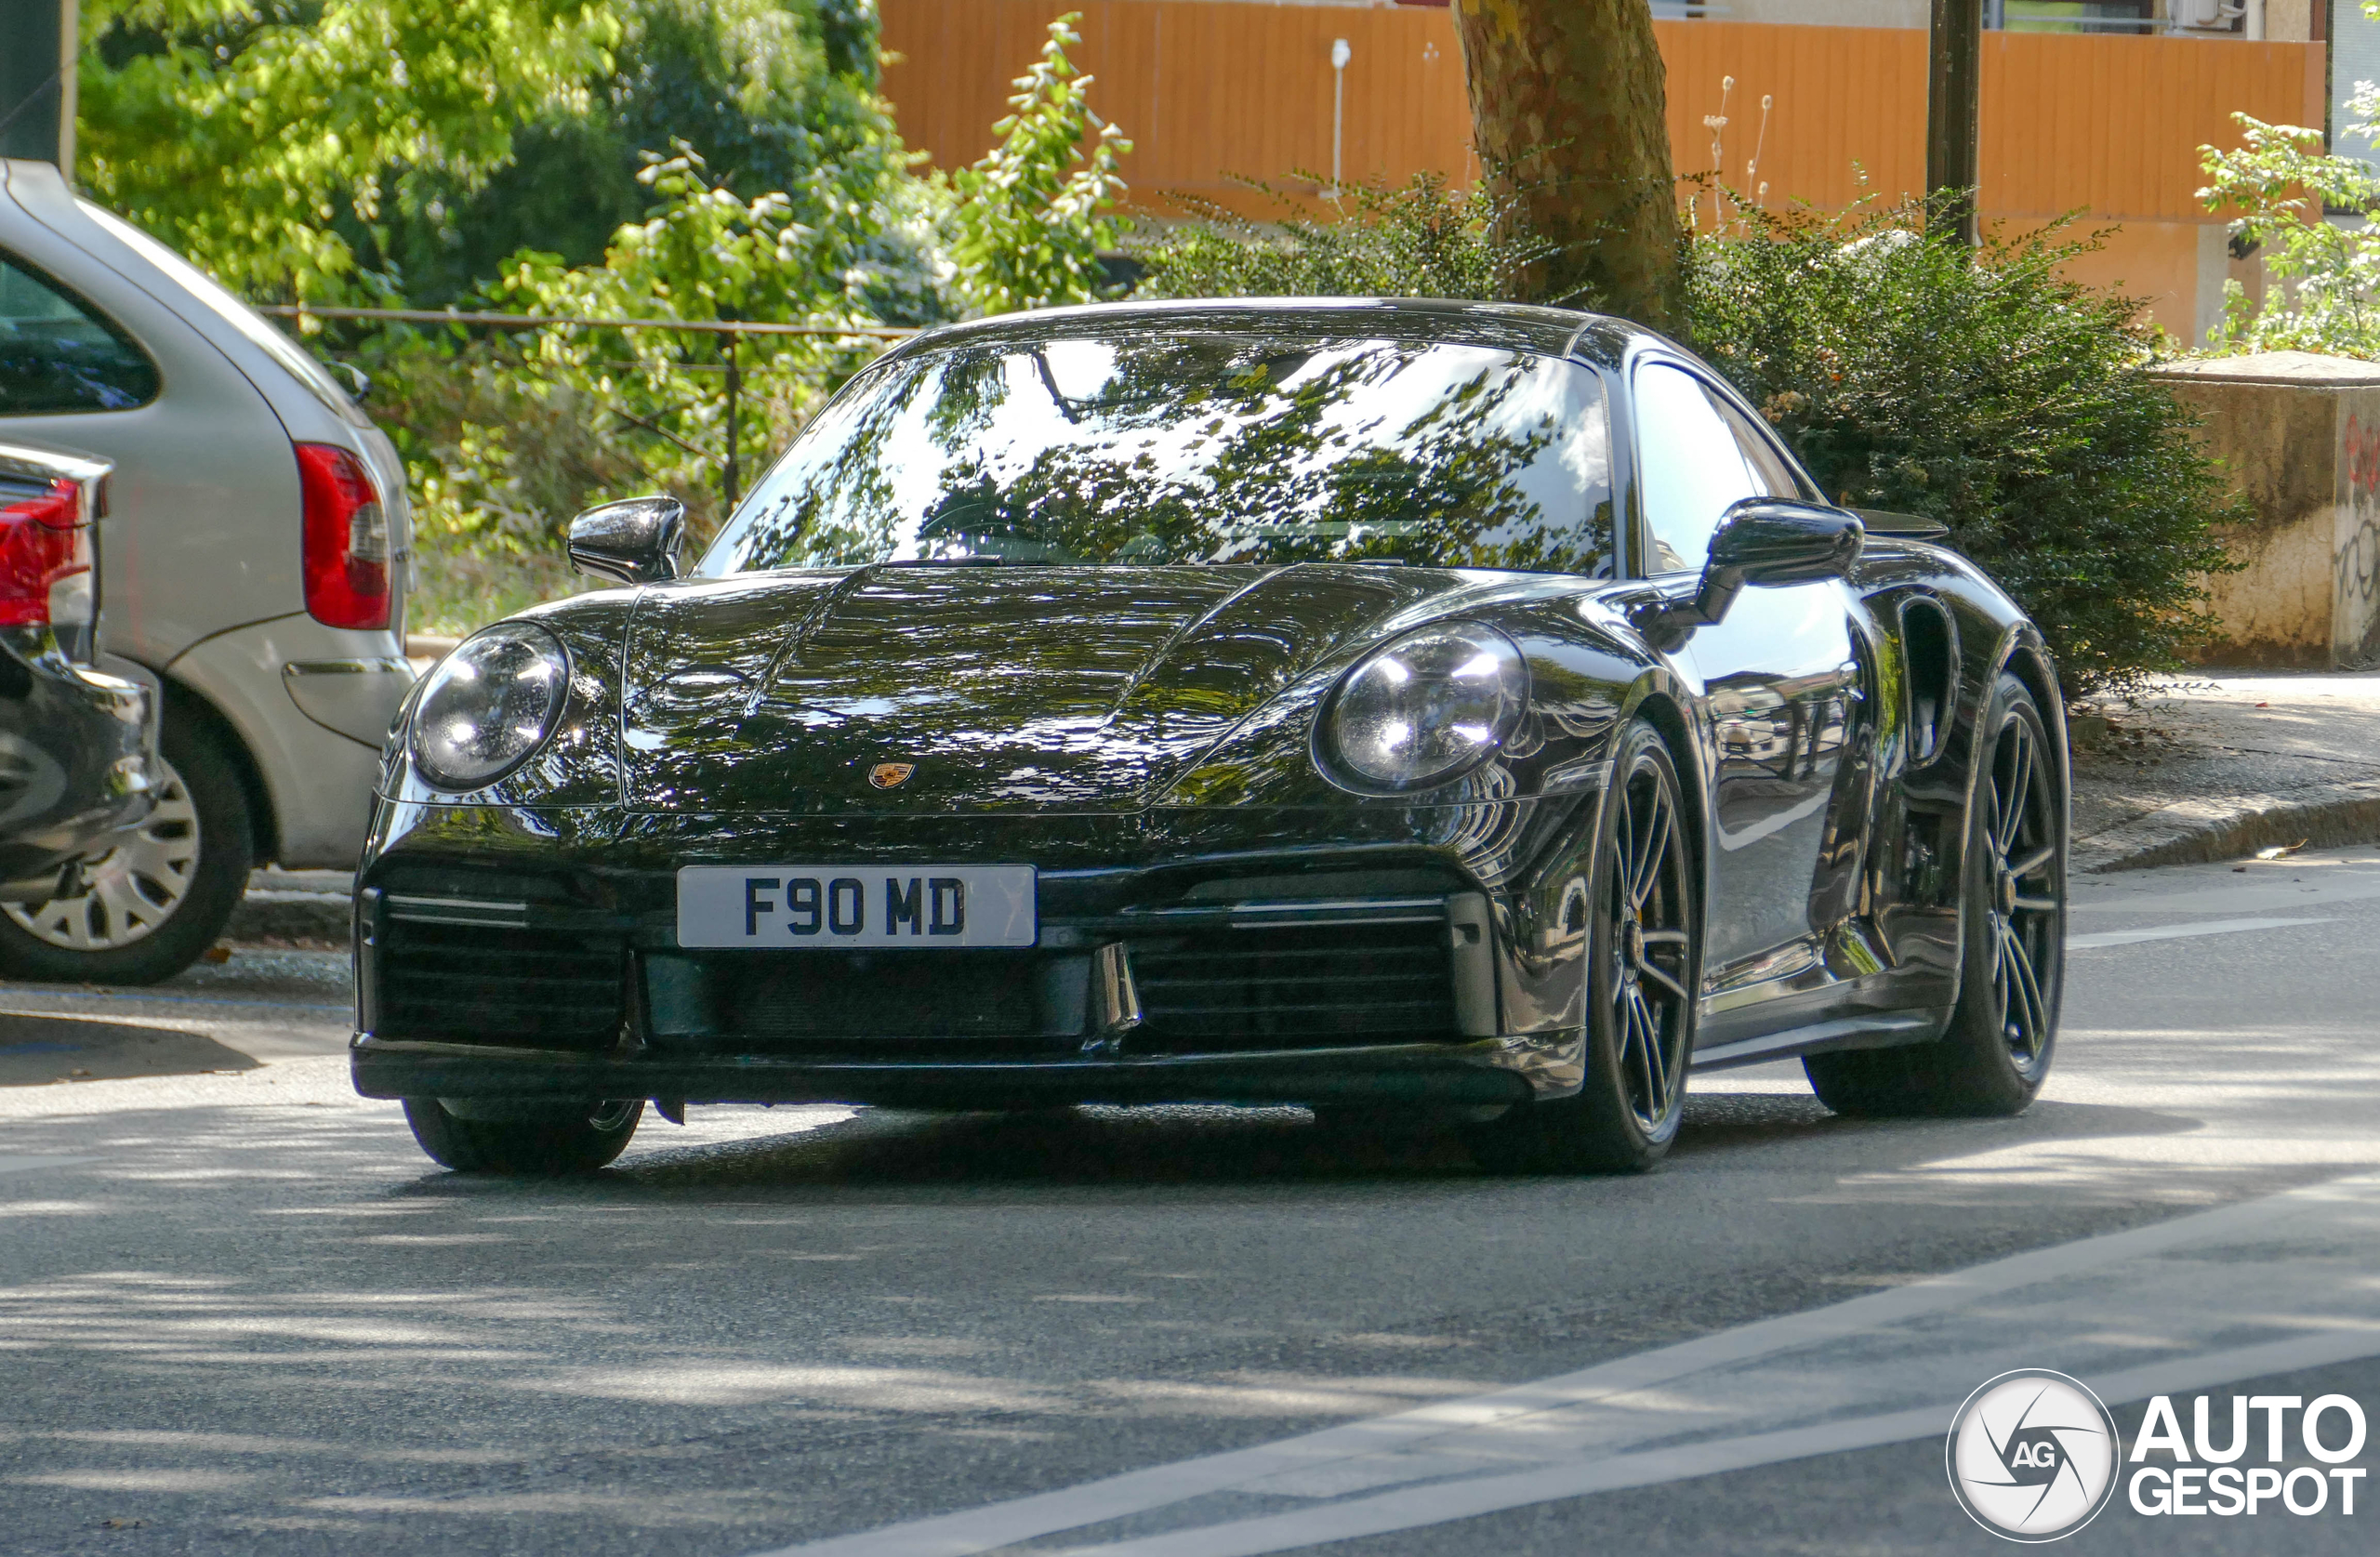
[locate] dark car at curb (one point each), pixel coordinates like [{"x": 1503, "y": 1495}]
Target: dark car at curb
[
  {"x": 77, "y": 728},
  {"x": 1397, "y": 708}
]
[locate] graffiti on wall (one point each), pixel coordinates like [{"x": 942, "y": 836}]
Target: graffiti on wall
[{"x": 2355, "y": 602}]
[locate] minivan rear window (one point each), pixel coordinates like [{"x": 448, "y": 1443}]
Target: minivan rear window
[
  {"x": 57, "y": 353},
  {"x": 204, "y": 289}
]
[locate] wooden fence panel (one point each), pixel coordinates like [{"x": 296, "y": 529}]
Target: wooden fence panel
[{"x": 2110, "y": 125}]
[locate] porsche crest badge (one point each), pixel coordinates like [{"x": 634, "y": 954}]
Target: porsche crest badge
[{"x": 890, "y": 775}]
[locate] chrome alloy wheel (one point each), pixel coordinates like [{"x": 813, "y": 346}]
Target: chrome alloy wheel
[
  {"x": 1650, "y": 955},
  {"x": 132, "y": 888},
  {"x": 2028, "y": 908}
]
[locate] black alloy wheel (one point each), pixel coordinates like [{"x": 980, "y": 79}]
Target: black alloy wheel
[
  {"x": 1996, "y": 1053},
  {"x": 524, "y": 1140},
  {"x": 1644, "y": 959}
]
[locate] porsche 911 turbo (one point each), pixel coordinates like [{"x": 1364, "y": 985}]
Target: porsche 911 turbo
[{"x": 1403, "y": 709}]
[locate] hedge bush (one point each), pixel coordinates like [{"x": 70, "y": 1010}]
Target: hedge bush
[{"x": 1987, "y": 390}]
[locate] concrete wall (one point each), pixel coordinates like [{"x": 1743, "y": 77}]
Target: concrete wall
[{"x": 2300, "y": 435}]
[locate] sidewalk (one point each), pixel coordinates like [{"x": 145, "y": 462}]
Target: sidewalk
[{"x": 2218, "y": 767}]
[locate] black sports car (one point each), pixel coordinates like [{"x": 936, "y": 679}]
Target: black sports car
[{"x": 1380, "y": 706}]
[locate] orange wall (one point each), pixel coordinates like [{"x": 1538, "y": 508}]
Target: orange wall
[{"x": 2110, "y": 125}]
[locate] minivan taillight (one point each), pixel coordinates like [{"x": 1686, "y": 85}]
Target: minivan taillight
[
  {"x": 346, "y": 539},
  {"x": 45, "y": 559}
]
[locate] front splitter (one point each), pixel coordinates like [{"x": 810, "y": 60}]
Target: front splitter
[{"x": 1472, "y": 1072}]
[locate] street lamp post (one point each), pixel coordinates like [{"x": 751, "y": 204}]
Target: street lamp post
[
  {"x": 37, "y": 81},
  {"x": 1340, "y": 55}
]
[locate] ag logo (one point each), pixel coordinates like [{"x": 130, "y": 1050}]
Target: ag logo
[
  {"x": 2034, "y": 1455},
  {"x": 890, "y": 775}
]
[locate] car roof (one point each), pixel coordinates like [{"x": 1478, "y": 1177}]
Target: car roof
[{"x": 1506, "y": 326}]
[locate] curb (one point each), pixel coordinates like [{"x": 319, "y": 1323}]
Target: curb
[
  {"x": 289, "y": 917},
  {"x": 2203, "y": 831}
]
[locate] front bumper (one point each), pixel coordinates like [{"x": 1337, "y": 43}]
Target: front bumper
[
  {"x": 509, "y": 952},
  {"x": 1479, "y": 1071}
]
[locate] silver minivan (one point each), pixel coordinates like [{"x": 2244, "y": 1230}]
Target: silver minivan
[{"x": 254, "y": 559}]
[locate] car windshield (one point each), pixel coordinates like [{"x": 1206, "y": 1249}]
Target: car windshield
[{"x": 1177, "y": 447}]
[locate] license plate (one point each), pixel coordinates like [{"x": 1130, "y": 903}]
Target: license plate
[{"x": 927, "y": 907}]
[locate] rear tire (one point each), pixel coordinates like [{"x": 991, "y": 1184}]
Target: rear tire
[
  {"x": 163, "y": 896},
  {"x": 541, "y": 1143},
  {"x": 1644, "y": 960},
  {"x": 1996, "y": 1053}
]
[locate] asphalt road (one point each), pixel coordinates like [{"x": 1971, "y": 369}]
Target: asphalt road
[{"x": 241, "y": 1314}]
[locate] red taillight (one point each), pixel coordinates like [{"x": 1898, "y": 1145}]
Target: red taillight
[
  {"x": 44, "y": 544},
  {"x": 346, "y": 539}
]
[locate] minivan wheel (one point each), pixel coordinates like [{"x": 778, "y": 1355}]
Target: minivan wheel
[{"x": 159, "y": 898}]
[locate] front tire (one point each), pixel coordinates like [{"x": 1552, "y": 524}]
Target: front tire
[
  {"x": 1996, "y": 1053},
  {"x": 1644, "y": 959},
  {"x": 533, "y": 1143},
  {"x": 162, "y": 895}
]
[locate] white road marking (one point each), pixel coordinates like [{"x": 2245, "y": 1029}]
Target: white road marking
[
  {"x": 25, "y": 1163},
  {"x": 1876, "y": 1369},
  {"x": 2177, "y": 932},
  {"x": 1465, "y": 1500},
  {"x": 1776, "y": 824}
]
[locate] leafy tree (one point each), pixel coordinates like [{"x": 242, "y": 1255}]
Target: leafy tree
[
  {"x": 2280, "y": 184},
  {"x": 1025, "y": 226},
  {"x": 274, "y": 142},
  {"x": 777, "y": 97}
]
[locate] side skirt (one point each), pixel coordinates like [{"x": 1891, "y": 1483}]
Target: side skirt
[{"x": 1868, "y": 1030}]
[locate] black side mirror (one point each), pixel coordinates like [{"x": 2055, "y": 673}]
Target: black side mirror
[
  {"x": 635, "y": 541},
  {"x": 1764, "y": 541}
]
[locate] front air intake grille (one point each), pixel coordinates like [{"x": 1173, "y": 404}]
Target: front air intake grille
[
  {"x": 1255, "y": 985},
  {"x": 883, "y": 1003},
  {"x": 465, "y": 983}
]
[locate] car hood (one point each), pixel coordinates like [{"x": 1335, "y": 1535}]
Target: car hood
[{"x": 1083, "y": 688}]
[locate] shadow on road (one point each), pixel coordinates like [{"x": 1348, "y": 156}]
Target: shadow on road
[
  {"x": 38, "y": 1050},
  {"x": 1285, "y": 1146}
]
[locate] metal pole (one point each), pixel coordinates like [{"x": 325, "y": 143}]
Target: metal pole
[
  {"x": 1953, "y": 100},
  {"x": 735, "y": 383}
]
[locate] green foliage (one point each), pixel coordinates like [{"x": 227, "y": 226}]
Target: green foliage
[
  {"x": 631, "y": 158},
  {"x": 1025, "y": 226},
  {"x": 2279, "y": 183},
  {"x": 508, "y": 435},
  {"x": 1420, "y": 239},
  {"x": 1984, "y": 389},
  {"x": 269, "y": 140},
  {"x": 777, "y": 97}
]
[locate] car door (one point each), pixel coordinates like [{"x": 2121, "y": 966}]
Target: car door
[{"x": 1778, "y": 679}]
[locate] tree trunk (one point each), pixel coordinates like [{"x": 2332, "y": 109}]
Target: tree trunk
[{"x": 1568, "y": 108}]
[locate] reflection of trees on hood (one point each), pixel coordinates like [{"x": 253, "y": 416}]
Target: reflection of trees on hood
[{"x": 1206, "y": 448}]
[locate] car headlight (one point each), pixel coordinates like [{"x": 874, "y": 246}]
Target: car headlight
[
  {"x": 1425, "y": 709},
  {"x": 489, "y": 705}
]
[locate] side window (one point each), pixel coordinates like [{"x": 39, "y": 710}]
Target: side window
[
  {"x": 1690, "y": 465},
  {"x": 58, "y": 353},
  {"x": 1777, "y": 477}
]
